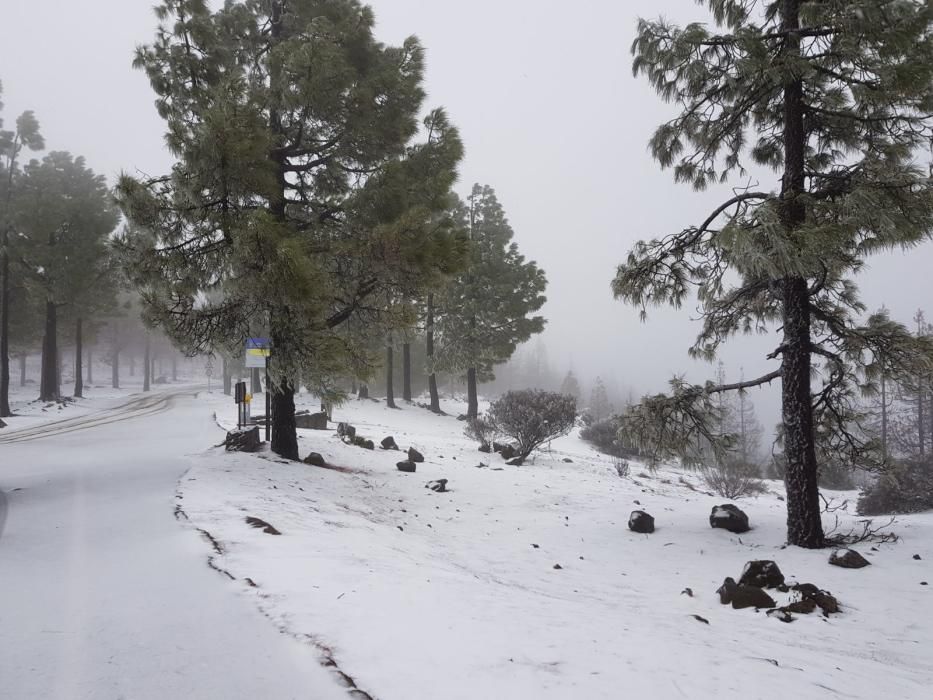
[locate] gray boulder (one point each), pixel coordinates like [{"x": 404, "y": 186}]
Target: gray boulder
[
  {"x": 388, "y": 443},
  {"x": 244, "y": 440},
  {"x": 406, "y": 466},
  {"x": 639, "y": 521},
  {"x": 311, "y": 421},
  {"x": 438, "y": 485},
  {"x": 415, "y": 456},
  {"x": 315, "y": 460},
  {"x": 762, "y": 573},
  {"x": 848, "y": 559}
]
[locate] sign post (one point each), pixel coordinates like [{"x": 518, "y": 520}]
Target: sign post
[{"x": 257, "y": 355}]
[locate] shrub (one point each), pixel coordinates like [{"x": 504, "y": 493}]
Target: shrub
[
  {"x": 532, "y": 417},
  {"x": 480, "y": 430},
  {"x": 604, "y": 436},
  {"x": 732, "y": 479},
  {"x": 621, "y": 466},
  {"x": 905, "y": 488}
]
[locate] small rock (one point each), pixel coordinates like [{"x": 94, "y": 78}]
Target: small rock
[
  {"x": 438, "y": 485},
  {"x": 558, "y": 566},
  {"x": 262, "y": 525},
  {"x": 639, "y": 521},
  {"x": 368, "y": 445},
  {"x": 535, "y": 546},
  {"x": 515, "y": 462},
  {"x": 346, "y": 430},
  {"x": 727, "y": 590},
  {"x": 508, "y": 452},
  {"x": 315, "y": 460},
  {"x": 415, "y": 456},
  {"x": 687, "y": 591},
  {"x": 406, "y": 466},
  {"x": 568, "y": 460},
  {"x": 751, "y": 597},
  {"x": 762, "y": 573},
  {"x": 924, "y": 583},
  {"x": 485, "y": 447},
  {"x": 917, "y": 557},
  {"x": 729, "y": 517},
  {"x": 311, "y": 421},
  {"x": 701, "y": 619},
  {"x": 848, "y": 559},
  {"x": 388, "y": 443}
]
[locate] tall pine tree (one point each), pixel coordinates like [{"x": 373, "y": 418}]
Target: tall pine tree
[
  {"x": 298, "y": 195},
  {"x": 836, "y": 96},
  {"x": 487, "y": 310}
]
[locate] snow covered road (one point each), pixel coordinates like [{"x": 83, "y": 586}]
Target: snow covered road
[{"x": 104, "y": 594}]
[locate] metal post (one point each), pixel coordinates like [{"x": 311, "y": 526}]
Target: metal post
[{"x": 268, "y": 404}]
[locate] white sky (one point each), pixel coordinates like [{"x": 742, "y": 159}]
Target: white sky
[{"x": 551, "y": 117}]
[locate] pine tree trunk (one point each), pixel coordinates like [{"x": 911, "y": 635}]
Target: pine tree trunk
[
  {"x": 406, "y": 371},
  {"x": 920, "y": 427},
  {"x": 132, "y": 365},
  {"x": 4, "y": 321},
  {"x": 284, "y": 433},
  {"x": 472, "y": 400},
  {"x": 363, "y": 392},
  {"x": 147, "y": 367},
  {"x": 804, "y": 525},
  {"x": 228, "y": 380},
  {"x": 255, "y": 382},
  {"x": 429, "y": 348},
  {"x": 390, "y": 376},
  {"x": 79, "y": 370},
  {"x": 22, "y": 369},
  {"x": 115, "y": 369},
  {"x": 48, "y": 381},
  {"x": 90, "y": 365},
  {"x": 174, "y": 367}
]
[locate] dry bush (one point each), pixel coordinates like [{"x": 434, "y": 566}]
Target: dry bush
[
  {"x": 732, "y": 479},
  {"x": 532, "y": 417}
]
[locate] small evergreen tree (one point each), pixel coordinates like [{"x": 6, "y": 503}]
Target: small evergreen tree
[
  {"x": 599, "y": 401},
  {"x": 571, "y": 386},
  {"x": 837, "y": 97},
  {"x": 485, "y": 313}
]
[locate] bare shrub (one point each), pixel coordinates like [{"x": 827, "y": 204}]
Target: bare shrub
[
  {"x": 480, "y": 430},
  {"x": 732, "y": 479},
  {"x": 532, "y": 417},
  {"x": 622, "y": 466}
]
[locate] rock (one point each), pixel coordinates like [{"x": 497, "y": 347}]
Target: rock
[
  {"x": 508, "y": 452},
  {"x": 262, "y": 525},
  {"x": 2, "y": 424},
  {"x": 727, "y": 590},
  {"x": 415, "y": 456},
  {"x": 848, "y": 559},
  {"x": 315, "y": 460},
  {"x": 367, "y": 444},
  {"x": 729, "y": 517},
  {"x": 568, "y": 460},
  {"x": 916, "y": 556},
  {"x": 245, "y": 440},
  {"x": 388, "y": 443},
  {"x": 700, "y": 619},
  {"x": 346, "y": 430},
  {"x": 558, "y": 566},
  {"x": 516, "y": 462},
  {"x": 311, "y": 421},
  {"x": 801, "y": 607},
  {"x": 438, "y": 485},
  {"x": 751, "y": 597},
  {"x": 497, "y": 446},
  {"x": 406, "y": 466},
  {"x": 639, "y": 521},
  {"x": 762, "y": 573},
  {"x": 824, "y": 599},
  {"x": 485, "y": 447}
]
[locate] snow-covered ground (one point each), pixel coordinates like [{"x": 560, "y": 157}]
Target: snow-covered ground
[{"x": 416, "y": 594}]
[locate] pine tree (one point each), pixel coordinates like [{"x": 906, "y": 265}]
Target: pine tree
[
  {"x": 485, "y": 313},
  {"x": 837, "y": 97},
  {"x": 298, "y": 194},
  {"x": 571, "y": 386},
  {"x": 64, "y": 216},
  {"x": 599, "y": 401},
  {"x": 26, "y": 135}
]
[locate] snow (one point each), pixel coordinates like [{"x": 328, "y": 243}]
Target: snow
[
  {"x": 105, "y": 594},
  {"x": 417, "y": 594}
]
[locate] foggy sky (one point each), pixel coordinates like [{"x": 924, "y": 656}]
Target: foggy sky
[{"x": 551, "y": 118}]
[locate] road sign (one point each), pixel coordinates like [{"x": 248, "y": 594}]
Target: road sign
[{"x": 257, "y": 350}]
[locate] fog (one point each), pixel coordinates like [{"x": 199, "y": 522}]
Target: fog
[{"x": 551, "y": 117}]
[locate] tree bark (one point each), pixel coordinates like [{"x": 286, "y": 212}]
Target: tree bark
[
  {"x": 429, "y": 348},
  {"x": 174, "y": 367},
  {"x": 48, "y": 382},
  {"x": 284, "y": 433},
  {"x": 472, "y": 400},
  {"x": 132, "y": 365},
  {"x": 228, "y": 380},
  {"x": 90, "y": 365},
  {"x": 804, "y": 525},
  {"x": 4, "y": 323},
  {"x": 22, "y": 369},
  {"x": 147, "y": 367},
  {"x": 115, "y": 369},
  {"x": 79, "y": 370},
  {"x": 406, "y": 371},
  {"x": 390, "y": 375}
]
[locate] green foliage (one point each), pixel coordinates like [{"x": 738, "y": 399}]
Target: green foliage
[
  {"x": 485, "y": 312},
  {"x": 532, "y": 417},
  {"x": 905, "y": 488},
  {"x": 299, "y": 197},
  {"x": 859, "y": 77}
]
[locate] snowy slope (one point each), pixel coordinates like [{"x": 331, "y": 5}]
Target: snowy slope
[{"x": 416, "y": 594}]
